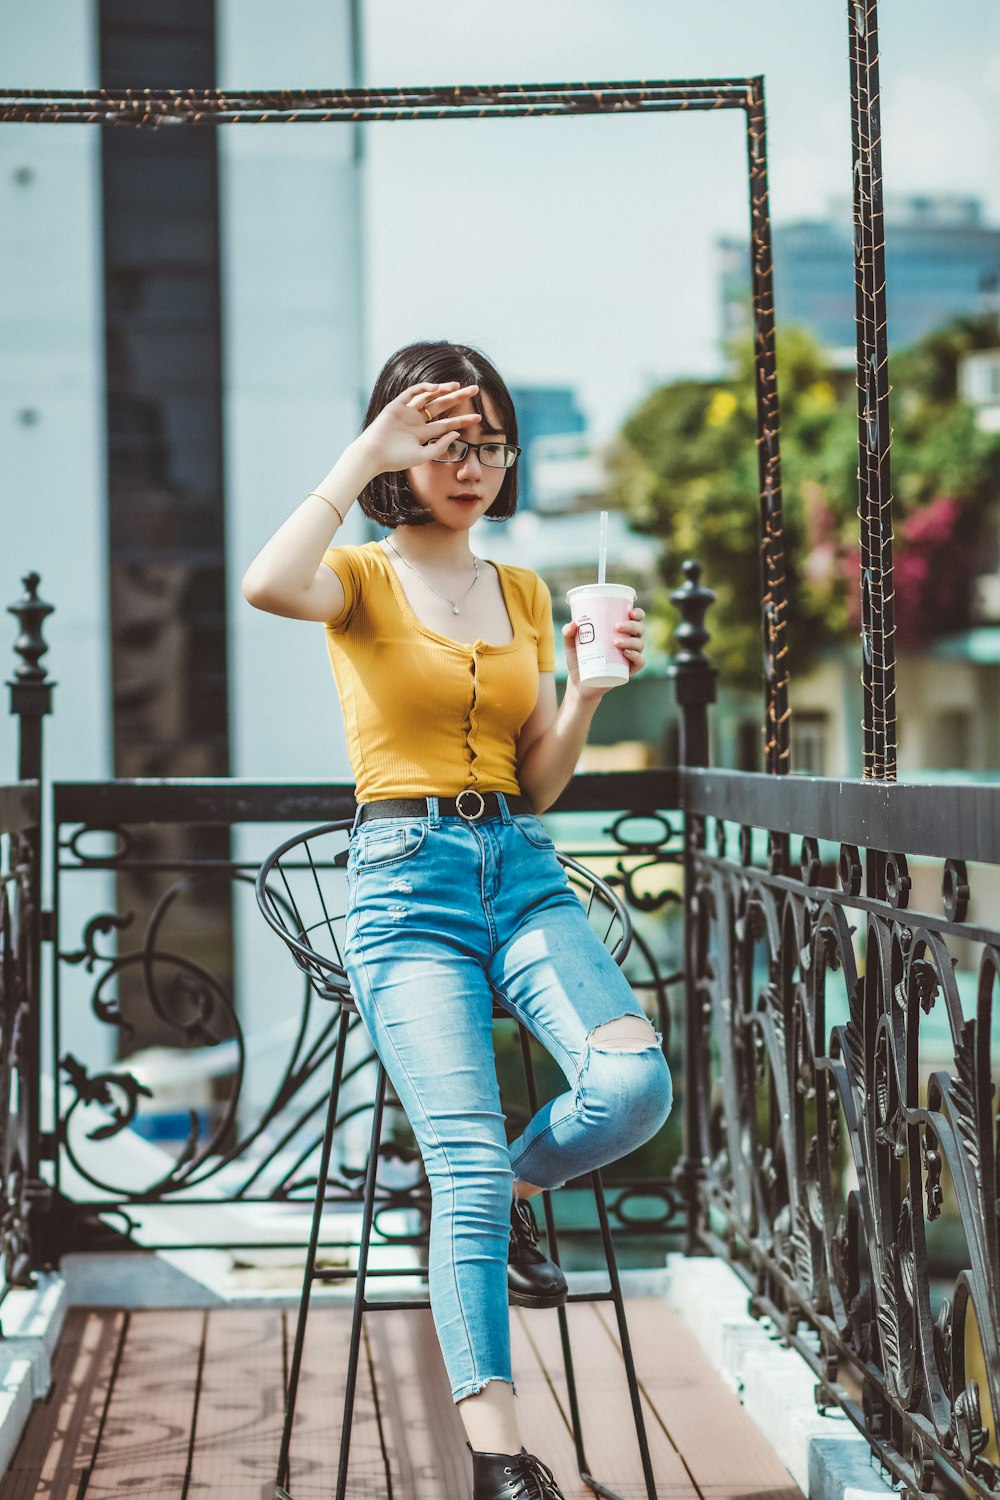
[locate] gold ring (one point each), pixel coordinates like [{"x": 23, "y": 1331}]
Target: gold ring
[{"x": 427, "y": 413}]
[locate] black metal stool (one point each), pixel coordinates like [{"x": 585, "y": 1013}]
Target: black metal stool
[{"x": 294, "y": 900}]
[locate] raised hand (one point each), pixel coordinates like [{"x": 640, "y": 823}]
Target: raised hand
[{"x": 418, "y": 425}]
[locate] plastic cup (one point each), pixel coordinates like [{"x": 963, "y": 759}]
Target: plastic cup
[{"x": 597, "y": 608}]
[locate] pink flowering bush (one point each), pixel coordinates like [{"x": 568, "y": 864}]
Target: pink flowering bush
[{"x": 934, "y": 563}]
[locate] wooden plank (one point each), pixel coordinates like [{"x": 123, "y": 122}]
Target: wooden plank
[
  {"x": 694, "y": 1406},
  {"x": 147, "y": 1433},
  {"x": 315, "y": 1445},
  {"x": 21, "y": 1485},
  {"x": 422, "y": 1431},
  {"x": 129, "y": 1430},
  {"x": 41, "y": 1429},
  {"x": 606, "y": 1418},
  {"x": 237, "y": 1431},
  {"x": 542, "y": 1414},
  {"x": 57, "y": 1446}
]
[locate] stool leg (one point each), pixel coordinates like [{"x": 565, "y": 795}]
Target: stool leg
[
  {"x": 281, "y": 1479},
  {"x": 623, "y": 1334},
  {"x": 616, "y": 1297},
  {"x": 552, "y": 1246},
  {"x": 359, "y": 1286}
]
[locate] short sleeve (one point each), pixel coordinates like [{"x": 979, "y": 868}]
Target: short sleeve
[
  {"x": 542, "y": 617},
  {"x": 342, "y": 562}
]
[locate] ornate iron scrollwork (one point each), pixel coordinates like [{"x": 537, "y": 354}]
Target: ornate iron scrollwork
[
  {"x": 835, "y": 1139},
  {"x": 268, "y": 1154},
  {"x": 18, "y": 1187}
]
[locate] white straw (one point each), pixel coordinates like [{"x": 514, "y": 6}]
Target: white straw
[{"x": 602, "y": 560}]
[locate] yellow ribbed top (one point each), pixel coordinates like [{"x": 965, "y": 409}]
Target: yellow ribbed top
[{"x": 426, "y": 715}]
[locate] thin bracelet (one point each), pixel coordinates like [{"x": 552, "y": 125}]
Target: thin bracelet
[{"x": 330, "y": 503}]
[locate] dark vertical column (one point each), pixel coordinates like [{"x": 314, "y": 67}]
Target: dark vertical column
[
  {"x": 774, "y": 593},
  {"x": 165, "y": 477},
  {"x": 164, "y": 403}
]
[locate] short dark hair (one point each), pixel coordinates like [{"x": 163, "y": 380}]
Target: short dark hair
[{"x": 388, "y": 498}]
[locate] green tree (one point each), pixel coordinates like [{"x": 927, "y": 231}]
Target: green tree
[{"x": 685, "y": 470}]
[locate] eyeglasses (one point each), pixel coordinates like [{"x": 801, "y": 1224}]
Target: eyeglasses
[{"x": 492, "y": 455}]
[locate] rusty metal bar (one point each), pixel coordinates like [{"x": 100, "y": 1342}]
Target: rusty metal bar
[
  {"x": 874, "y": 435},
  {"x": 773, "y": 591}
]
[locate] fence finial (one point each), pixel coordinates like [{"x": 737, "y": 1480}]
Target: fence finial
[
  {"x": 693, "y": 673},
  {"x": 30, "y": 645},
  {"x": 30, "y": 689}
]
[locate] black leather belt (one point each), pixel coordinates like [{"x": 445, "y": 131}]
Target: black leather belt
[{"x": 471, "y": 805}]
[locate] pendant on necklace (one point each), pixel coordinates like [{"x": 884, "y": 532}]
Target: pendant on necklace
[{"x": 454, "y": 609}]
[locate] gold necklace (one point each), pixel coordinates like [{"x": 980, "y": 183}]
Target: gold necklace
[{"x": 453, "y": 602}]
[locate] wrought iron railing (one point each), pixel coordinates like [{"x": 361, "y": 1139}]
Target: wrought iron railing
[
  {"x": 254, "y": 1145},
  {"x": 19, "y": 842},
  {"x": 843, "y": 961}
]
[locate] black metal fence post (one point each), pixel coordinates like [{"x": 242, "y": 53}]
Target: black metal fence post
[
  {"x": 694, "y": 689},
  {"x": 693, "y": 673},
  {"x": 31, "y": 690},
  {"x": 31, "y": 700}
]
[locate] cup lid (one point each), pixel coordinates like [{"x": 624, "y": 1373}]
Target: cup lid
[{"x": 604, "y": 590}]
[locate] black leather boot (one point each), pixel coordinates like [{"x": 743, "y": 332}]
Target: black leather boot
[
  {"x": 512, "y": 1476},
  {"x": 532, "y": 1280}
]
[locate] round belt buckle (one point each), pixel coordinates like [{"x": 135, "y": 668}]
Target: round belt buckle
[{"x": 470, "y": 817}]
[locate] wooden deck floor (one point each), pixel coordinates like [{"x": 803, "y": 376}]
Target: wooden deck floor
[{"x": 166, "y": 1405}]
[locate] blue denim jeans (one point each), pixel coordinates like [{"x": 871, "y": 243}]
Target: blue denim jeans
[{"x": 445, "y": 915}]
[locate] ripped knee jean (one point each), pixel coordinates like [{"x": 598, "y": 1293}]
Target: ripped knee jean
[
  {"x": 445, "y": 917},
  {"x": 621, "y": 1097}
]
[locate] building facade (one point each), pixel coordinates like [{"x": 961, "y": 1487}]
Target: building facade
[
  {"x": 941, "y": 261},
  {"x": 181, "y": 359},
  {"x": 543, "y": 411}
]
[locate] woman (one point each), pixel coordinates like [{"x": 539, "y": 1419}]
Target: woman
[{"x": 445, "y": 668}]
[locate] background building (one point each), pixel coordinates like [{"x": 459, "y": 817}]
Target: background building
[
  {"x": 543, "y": 411},
  {"x": 941, "y": 261},
  {"x": 181, "y": 358}
]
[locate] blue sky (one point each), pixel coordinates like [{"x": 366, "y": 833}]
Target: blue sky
[{"x": 599, "y": 270}]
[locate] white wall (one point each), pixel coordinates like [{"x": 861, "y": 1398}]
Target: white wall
[
  {"x": 292, "y": 362},
  {"x": 52, "y": 436},
  {"x": 52, "y": 428},
  {"x": 930, "y": 695},
  {"x": 833, "y": 688}
]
